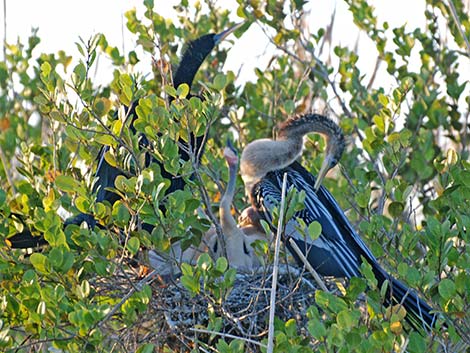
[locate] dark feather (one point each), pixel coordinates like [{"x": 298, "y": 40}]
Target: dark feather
[{"x": 339, "y": 250}]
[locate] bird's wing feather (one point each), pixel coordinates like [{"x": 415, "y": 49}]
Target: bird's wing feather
[
  {"x": 339, "y": 249},
  {"x": 339, "y": 243}
]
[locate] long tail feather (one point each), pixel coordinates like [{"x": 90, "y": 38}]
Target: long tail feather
[{"x": 419, "y": 313}]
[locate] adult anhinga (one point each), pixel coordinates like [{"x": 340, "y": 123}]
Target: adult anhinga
[
  {"x": 238, "y": 240},
  {"x": 339, "y": 251},
  {"x": 194, "y": 55}
]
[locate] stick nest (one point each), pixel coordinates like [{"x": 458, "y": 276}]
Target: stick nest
[{"x": 181, "y": 322}]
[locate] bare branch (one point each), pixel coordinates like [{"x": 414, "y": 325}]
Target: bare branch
[
  {"x": 459, "y": 25},
  {"x": 277, "y": 246},
  {"x": 309, "y": 267}
]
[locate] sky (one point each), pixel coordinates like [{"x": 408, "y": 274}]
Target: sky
[{"x": 61, "y": 23}]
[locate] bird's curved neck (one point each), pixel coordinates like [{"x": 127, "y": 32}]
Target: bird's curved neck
[
  {"x": 298, "y": 126},
  {"x": 265, "y": 155}
]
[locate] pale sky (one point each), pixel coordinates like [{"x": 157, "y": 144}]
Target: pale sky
[{"x": 61, "y": 23}]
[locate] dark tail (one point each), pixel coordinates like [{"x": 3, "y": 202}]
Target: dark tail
[
  {"x": 25, "y": 240},
  {"x": 418, "y": 313}
]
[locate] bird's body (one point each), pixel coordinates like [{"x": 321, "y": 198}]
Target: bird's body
[
  {"x": 338, "y": 251},
  {"x": 238, "y": 241},
  {"x": 192, "y": 58}
]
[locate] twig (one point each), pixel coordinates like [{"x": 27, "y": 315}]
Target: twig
[
  {"x": 405, "y": 345},
  {"x": 137, "y": 287},
  {"x": 7, "y": 170},
  {"x": 5, "y": 30},
  {"x": 207, "y": 210},
  {"x": 374, "y": 73},
  {"x": 277, "y": 246},
  {"x": 43, "y": 341},
  {"x": 309, "y": 267},
  {"x": 228, "y": 336},
  {"x": 458, "y": 24}
]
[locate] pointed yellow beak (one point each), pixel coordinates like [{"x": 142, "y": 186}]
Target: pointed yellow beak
[{"x": 325, "y": 167}]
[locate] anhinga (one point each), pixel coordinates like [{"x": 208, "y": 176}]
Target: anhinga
[
  {"x": 194, "y": 55},
  {"x": 238, "y": 240},
  {"x": 339, "y": 251}
]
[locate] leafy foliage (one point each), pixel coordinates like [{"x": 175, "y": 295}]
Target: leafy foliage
[{"x": 405, "y": 178}]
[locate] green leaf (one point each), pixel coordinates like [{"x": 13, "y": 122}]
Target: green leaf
[
  {"x": 220, "y": 81},
  {"x": 417, "y": 343},
  {"x": 329, "y": 301},
  {"x": 186, "y": 269},
  {"x": 46, "y": 69},
  {"x": 403, "y": 269},
  {"x": 133, "y": 59},
  {"x": 347, "y": 319},
  {"x": 133, "y": 245},
  {"x": 67, "y": 262},
  {"x": 148, "y": 4},
  {"x": 314, "y": 230},
  {"x": 291, "y": 327},
  {"x": 363, "y": 198},
  {"x": 102, "y": 106},
  {"x": 148, "y": 347},
  {"x": 3, "y": 197},
  {"x": 182, "y": 90},
  {"x": 396, "y": 209},
  {"x": 106, "y": 140},
  {"x": 120, "y": 213},
  {"x": 241, "y": 11},
  {"x": 367, "y": 272},
  {"x": 316, "y": 328},
  {"x": 110, "y": 159},
  {"x": 289, "y": 106},
  {"x": 39, "y": 261},
  {"x": 83, "y": 204},
  {"x": 191, "y": 283},
  {"x": 170, "y": 90},
  {"x": 80, "y": 73},
  {"x": 66, "y": 183},
  {"x": 55, "y": 257},
  {"x": 447, "y": 288},
  {"x": 204, "y": 262},
  {"x": 380, "y": 123},
  {"x": 221, "y": 264}
]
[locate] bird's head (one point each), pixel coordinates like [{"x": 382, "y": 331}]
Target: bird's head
[
  {"x": 203, "y": 45},
  {"x": 222, "y": 35},
  {"x": 230, "y": 154},
  {"x": 195, "y": 53}
]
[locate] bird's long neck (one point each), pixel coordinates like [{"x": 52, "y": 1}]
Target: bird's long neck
[
  {"x": 262, "y": 156},
  {"x": 191, "y": 60},
  {"x": 189, "y": 65},
  {"x": 297, "y": 127},
  {"x": 265, "y": 155},
  {"x": 227, "y": 222}
]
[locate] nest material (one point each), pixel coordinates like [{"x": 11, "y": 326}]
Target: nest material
[{"x": 177, "y": 320}]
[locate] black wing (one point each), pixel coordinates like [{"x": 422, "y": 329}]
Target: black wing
[{"x": 338, "y": 250}]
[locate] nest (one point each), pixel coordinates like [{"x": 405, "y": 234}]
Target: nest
[
  {"x": 177, "y": 321},
  {"x": 181, "y": 322}
]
